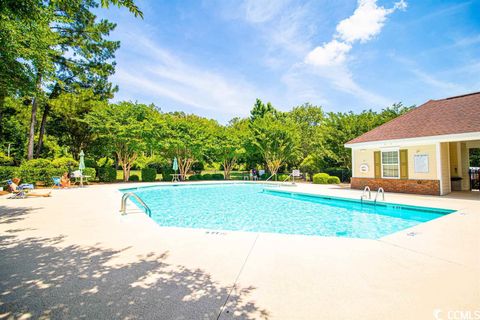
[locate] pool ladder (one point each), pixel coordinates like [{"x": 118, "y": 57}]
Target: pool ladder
[
  {"x": 123, "y": 207},
  {"x": 379, "y": 191},
  {"x": 367, "y": 188}
]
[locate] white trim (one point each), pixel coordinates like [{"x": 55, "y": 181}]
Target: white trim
[
  {"x": 398, "y": 161},
  {"x": 416, "y": 141},
  {"x": 353, "y": 163},
  {"x": 439, "y": 167}
]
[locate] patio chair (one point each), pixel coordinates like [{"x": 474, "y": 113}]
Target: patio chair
[
  {"x": 18, "y": 191},
  {"x": 22, "y": 191},
  {"x": 56, "y": 182}
]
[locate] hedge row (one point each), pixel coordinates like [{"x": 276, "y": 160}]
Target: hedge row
[
  {"x": 325, "y": 178},
  {"x": 206, "y": 176},
  {"x": 37, "y": 172},
  {"x": 149, "y": 174}
]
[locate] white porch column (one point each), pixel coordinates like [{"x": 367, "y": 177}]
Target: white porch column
[
  {"x": 465, "y": 164},
  {"x": 443, "y": 167}
]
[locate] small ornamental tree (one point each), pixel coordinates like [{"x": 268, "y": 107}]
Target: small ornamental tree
[
  {"x": 276, "y": 139},
  {"x": 124, "y": 127},
  {"x": 228, "y": 148},
  {"x": 189, "y": 138}
]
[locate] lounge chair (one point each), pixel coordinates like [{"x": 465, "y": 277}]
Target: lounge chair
[
  {"x": 56, "y": 182},
  {"x": 22, "y": 191}
]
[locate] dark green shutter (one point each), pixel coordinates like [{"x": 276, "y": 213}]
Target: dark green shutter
[
  {"x": 404, "y": 164},
  {"x": 377, "y": 164}
]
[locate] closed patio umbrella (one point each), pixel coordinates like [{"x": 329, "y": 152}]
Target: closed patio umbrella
[
  {"x": 81, "y": 166},
  {"x": 175, "y": 167}
]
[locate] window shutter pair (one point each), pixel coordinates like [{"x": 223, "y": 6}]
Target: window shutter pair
[{"x": 377, "y": 157}]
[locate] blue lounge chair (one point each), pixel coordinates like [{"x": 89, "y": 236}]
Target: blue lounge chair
[
  {"x": 19, "y": 192},
  {"x": 56, "y": 182}
]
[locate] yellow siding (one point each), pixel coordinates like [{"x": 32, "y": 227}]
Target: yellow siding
[
  {"x": 363, "y": 156},
  {"x": 454, "y": 164},
  {"x": 429, "y": 150}
]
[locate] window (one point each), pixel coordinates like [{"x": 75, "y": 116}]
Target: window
[{"x": 390, "y": 164}]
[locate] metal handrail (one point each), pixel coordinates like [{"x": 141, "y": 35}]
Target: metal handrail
[
  {"x": 367, "y": 188},
  {"x": 380, "y": 190},
  {"x": 269, "y": 177},
  {"x": 127, "y": 195}
]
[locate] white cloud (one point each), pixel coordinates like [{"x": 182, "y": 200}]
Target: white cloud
[
  {"x": 366, "y": 22},
  {"x": 329, "y": 59},
  {"x": 330, "y": 54}
]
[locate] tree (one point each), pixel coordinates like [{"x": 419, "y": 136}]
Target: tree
[
  {"x": 276, "y": 140},
  {"x": 68, "y": 119},
  {"x": 228, "y": 147},
  {"x": 260, "y": 109},
  {"x": 189, "y": 138},
  {"x": 124, "y": 127},
  {"x": 48, "y": 45},
  {"x": 91, "y": 63},
  {"x": 308, "y": 119}
]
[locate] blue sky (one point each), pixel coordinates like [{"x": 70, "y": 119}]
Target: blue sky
[{"x": 214, "y": 57}]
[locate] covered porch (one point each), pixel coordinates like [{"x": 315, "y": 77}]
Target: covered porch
[{"x": 458, "y": 166}]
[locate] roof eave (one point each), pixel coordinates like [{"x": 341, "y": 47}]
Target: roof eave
[{"x": 467, "y": 136}]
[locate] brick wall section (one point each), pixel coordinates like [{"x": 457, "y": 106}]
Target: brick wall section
[{"x": 429, "y": 187}]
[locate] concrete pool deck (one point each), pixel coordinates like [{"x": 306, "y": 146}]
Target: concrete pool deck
[{"x": 74, "y": 256}]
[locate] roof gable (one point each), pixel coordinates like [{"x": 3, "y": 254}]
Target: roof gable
[{"x": 454, "y": 115}]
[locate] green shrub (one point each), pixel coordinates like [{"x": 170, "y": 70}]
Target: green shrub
[
  {"x": 195, "y": 177},
  {"x": 309, "y": 165},
  {"x": 344, "y": 174},
  {"x": 207, "y": 176},
  {"x": 134, "y": 178},
  {"x": 149, "y": 174},
  {"x": 320, "y": 178},
  {"x": 65, "y": 162},
  {"x": 264, "y": 176},
  {"x": 107, "y": 174},
  {"x": 7, "y": 172},
  {"x": 156, "y": 164},
  {"x": 91, "y": 163},
  {"x": 90, "y": 172},
  {"x": 39, "y": 170},
  {"x": 167, "y": 171},
  {"x": 37, "y": 163},
  {"x": 5, "y": 160},
  {"x": 333, "y": 180},
  {"x": 217, "y": 176},
  {"x": 105, "y": 162},
  {"x": 197, "y": 167},
  {"x": 282, "y": 177}
]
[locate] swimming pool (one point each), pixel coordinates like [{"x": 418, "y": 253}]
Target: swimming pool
[{"x": 261, "y": 208}]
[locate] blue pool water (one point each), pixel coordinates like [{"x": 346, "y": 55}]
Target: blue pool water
[{"x": 261, "y": 208}]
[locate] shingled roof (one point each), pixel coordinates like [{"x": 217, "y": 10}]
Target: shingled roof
[{"x": 459, "y": 114}]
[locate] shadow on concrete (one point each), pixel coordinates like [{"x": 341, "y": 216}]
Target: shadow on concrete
[
  {"x": 12, "y": 215},
  {"x": 41, "y": 279}
]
